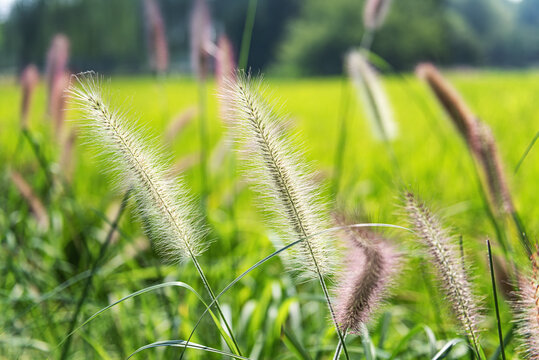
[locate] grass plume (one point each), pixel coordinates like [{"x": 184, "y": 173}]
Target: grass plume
[
  {"x": 29, "y": 80},
  {"x": 283, "y": 178},
  {"x": 445, "y": 258},
  {"x": 374, "y": 13},
  {"x": 56, "y": 66},
  {"x": 156, "y": 37},
  {"x": 201, "y": 38},
  {"x": 477, "y": 135},
  {"x": 483, "y": 148},
  {"x": 527, "y": 309},
  {"x": 373, "y": 96},
  {"x": 166, "y": 201},
  {"x": 370, "y": 267},
  {"x": 279, "y": 175}
]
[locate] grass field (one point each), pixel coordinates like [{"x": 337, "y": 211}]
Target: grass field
[{"x": 43, "y": 271}]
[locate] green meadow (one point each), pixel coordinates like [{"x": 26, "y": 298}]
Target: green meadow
[{"x": 44, "y": 269}]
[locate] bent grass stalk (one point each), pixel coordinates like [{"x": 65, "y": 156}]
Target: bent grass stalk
[
  {"x": 176, "y": 221},
  {"x": 483, "y": 149}
]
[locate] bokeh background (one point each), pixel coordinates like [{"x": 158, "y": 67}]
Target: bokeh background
[{"x": 290, "y": 37}]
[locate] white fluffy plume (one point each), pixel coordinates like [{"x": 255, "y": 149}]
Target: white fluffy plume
[
  {"x": 163, "y": 201},
  {"x": 372, "y": 95},
  {"x": 280, "y": 175}
]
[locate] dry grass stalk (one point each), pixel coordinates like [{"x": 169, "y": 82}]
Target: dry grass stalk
[
  {"x": 527, "y": 310},
  {"x": 36, "y": 206},
  {"x": 281, "y": 176},
  {"x": 477, "y": 135},
  {"x": 449, "y": 265},
  {"x": 179, "y": 123},
  {"x": 156, "y": 36},
  {"x": 29, "y": 80},
  {"x": 370, "y": 267},
  {"x": 374, "y": 13},
  {"x": 372, "y": 95}
]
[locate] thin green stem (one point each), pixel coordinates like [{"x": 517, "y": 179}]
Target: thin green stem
[
  {"x": 203, "y": 134},
  {"x": 341, "y": 141},
  {"x": 247, "y": 34},
  {"x": 214, "y": 300},
  {"x": 340, "y": 346},
  {"x": 95, "y": 267},
  {"x": 521, "y": 232},
  {"x": 527, "y": 151},
  {"x": 39, "y": 156},
  {"x": 492, "y": 277},
  {"x": 275, "y": 253}
]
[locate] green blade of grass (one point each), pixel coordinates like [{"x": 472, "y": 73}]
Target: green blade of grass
[
  {"x": 294, "y": 345},
  {"x": 132, "y": 295},
  {"x": 275, "y": 253},
  {"x": 493, "y": 279},
  {"x": 95, "y": 267},
  {"x": 183, "y": 343},
  {"x": 446, "y": 349},
  {"x": 527, "y": 151}
]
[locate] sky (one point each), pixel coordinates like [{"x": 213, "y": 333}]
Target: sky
[{"x": 5, "y": 5}]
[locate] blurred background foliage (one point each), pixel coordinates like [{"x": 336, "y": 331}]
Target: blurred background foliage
[{"x": 290, "y": 37}]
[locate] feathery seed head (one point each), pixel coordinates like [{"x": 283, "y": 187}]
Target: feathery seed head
[
  {"x": 225, "y": 68},
  {"x": 57, "y": 58},
  {"x": 280, "y": 175},
  {"x": 156, "y": 36},
  {"x": 371, "y": 265},
  {"x": 477, "y": 135},
  {"x": 201, "y": 39},
  {"x": 449, "y": 98},
  {"x": 163, "y": 201},
  {"x": 484, "y": 147},
  {"x": 57, "y": 77},
  {"x": 58, "y": 99},
  {"x": 372, "y": 95},
  {"x": 374, "y": 13},
  {"x": 29, "y": 80},
  {"x": 444, "y": 257},
  {"x": 527, "y": 310}
]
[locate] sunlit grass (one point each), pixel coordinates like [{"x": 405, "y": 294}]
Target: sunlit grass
[{"x": 433, "y": 160}]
